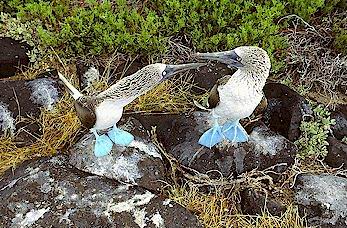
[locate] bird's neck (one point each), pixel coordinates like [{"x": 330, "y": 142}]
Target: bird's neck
[
  {"x": 254, "y": 77},
  {"x": 254, "y": 80}
]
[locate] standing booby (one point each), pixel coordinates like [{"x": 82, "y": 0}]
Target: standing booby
[
  {"x": 102, "y": 111},
  {"x": 235, "y": 97}
]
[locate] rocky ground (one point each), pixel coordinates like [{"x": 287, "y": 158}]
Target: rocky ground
[{"x": 127, "y": 187}]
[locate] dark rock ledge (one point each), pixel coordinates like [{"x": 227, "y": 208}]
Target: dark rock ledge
[{"x": 51, "y": 193}]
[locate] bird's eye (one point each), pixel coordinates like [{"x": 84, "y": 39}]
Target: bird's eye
[
  {"x": 238, "y": 59},
  {"x": 164, "y": 73}
]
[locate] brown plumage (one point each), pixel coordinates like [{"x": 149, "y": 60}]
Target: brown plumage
[{"x": 213, "y": 98}]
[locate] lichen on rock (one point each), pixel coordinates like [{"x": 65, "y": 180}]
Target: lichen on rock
[{"x": 44, "y": 92}]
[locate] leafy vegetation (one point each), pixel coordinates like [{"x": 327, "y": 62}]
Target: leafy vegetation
[
  {"x": 314, "y": 134},
  {"x": 91, "y": 26},
  {"x": 340, "y": 30}
]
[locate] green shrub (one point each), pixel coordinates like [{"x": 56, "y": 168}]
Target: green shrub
[
  {"x": 143, "y": 27},
  {"x": 314, "y": 134},
  {"x": 304, "y": 8},
  {"x": 340, "y": 33}
]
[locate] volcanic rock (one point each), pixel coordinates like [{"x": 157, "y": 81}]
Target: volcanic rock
[
  {"x": 337, "y": 153},
  {"x": 51, "y": 193},
  {"x": 13, "y": 56},
  {"x": 340, "y": 117},
  {"x": 180, "y": 134},
  {"x": 323, "y": 198},
  {"x": 286, "y": 109},
  {"x": 254, "y": 203}
]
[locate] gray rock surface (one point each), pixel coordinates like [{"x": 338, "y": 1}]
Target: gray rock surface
[
  {"x": 51, "y": 193},
  {"x": 140, "y": 163},
  {"x": 323, "y": 198}
]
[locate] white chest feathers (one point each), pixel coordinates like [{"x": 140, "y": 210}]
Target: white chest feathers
[
  {"x": 238, "y": 99},
  {"x": 108, "y": 113}
]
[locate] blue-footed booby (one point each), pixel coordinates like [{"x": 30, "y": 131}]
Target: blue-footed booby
[
  {"x": 236, "y": 96},
  {"x": 104, "y": 110}
]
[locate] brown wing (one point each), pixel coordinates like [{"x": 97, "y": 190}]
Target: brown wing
[
  {"x": 213, "y": 99},
  {"x": 85, "y": 111},
  {"x": 261, "y": 106}
]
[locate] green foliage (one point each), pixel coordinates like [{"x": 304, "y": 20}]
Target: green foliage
[
  {"x": 340, "y": 30},
  {"x": 304, "y": 8},
  {"x": 143, "y": 27},
  {"x": 314, "y": 134},
  {"x": 335, "y": 5}
]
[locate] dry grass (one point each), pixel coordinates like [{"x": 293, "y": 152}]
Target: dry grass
[
  {"x": 172, "y": 96},
  {"x": 59, "y": 128},
  {"x": 313, "y": 63},
  {"x": 218, "y": 210},
  {"x": 289, "y": 219}
]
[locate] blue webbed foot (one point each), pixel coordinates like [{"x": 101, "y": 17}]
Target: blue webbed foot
[
  {"x": 103, "y": 145},
  {"x": 211, "y": 137},
  {"x": 120, "y": 137},
  {"x": 234, "y": 132}
]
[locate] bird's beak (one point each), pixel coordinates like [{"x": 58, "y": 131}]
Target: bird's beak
[
  {"x": 72, "y": 90},
  {"x": 171, "y": 70},
  {"x": 227, "y": 57}
]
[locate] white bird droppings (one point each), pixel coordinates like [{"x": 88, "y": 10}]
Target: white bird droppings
[
  {"x": 269, "y": 145},
  {"x": 149, "y": 149},
  {"x": 65, "y": 217},
  {"x": 140, "y": 217},
  {"x": 7, "y": 123},
  {"x": 132, "y": 206},
  {"x": 326, "y": 190},
  {"x": 126, "y": 168},
  {"x": 158, "y": 221},
  {"x": 91, "y": 75},
  {"x": 167, "y": 202},
  {"x": 30, "y": 218}
]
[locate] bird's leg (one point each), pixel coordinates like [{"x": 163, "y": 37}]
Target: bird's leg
[
  {"x": 120, "y": 137},
  {"x": 103, "y": 144},
  {"x": 212, "y": 136},
  {"x": 234, "y": 132}
]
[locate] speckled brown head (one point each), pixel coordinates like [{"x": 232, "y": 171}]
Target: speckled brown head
[
  {"x": 85, "y": 108},
  {"x": 244, "y": 58}
]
